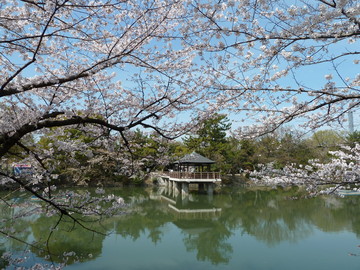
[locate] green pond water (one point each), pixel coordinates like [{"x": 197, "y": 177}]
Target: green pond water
[{"x": 234, "y": 229}]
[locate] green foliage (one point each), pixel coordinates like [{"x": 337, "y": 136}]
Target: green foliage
[
  {"x": 211, "y": 133},
  {"x": 177, "y": 150},
  {"x": 282, "y": 149},
  {"x": 353, "y": 138},
  {"x": 210, "y": 140},
  {"x": 324, "y": 141},
  {"x": 240, "y": 155},
  {"x": 81, "y": 245},
  {"x": 327, "y": 139},
  {"x": 17, "y": 152},
  {"x": 147, "y": 149}
]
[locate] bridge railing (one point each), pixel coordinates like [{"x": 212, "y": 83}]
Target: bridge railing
[{"x": 193, "y": 175}]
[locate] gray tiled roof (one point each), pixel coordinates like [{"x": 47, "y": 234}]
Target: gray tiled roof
[{"x": 195, "y": 158}]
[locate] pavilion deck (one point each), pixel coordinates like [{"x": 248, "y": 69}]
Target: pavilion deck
[
  {"x": 193, "y": 176},
  {"x": 179, "y": 182}
]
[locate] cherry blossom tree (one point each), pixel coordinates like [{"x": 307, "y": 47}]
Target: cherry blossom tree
[
  {"x": 120, "y": 65},
  {"x": 99, "y": 66},
  {"x": 102, "y": 65},
  {"x": 279, "y": 61},
  {"x": 341, "y": 172},
  {"x": 65, "y": 63}
]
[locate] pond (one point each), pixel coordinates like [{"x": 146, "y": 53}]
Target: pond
[{"x": 241, "y": 228}]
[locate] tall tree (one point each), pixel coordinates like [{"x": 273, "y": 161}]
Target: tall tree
[
  {"x": 241, "y": 155},
  {"x": 210, "y": 139}
]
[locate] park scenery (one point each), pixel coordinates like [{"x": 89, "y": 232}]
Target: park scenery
[{"x": 179, "y": 134}]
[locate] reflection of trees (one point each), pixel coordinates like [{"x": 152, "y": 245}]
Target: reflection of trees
[
  {"x": 348, "y": 213},
  {"x": 198, "y": 220},
  {"x": 209, "y": 240},
  {"x": 272, "y": 216},
  {"x": 268, "y": 215},
  {"x": 14, "y": 228},
  {"x": 13, "y": 223},
  {"x": 205, "y": 236},
  {"x": 65, "y": 239},
  {"x": 273, "y": 219},
  {"x": 3, "y": 262},
  {"x": 145, "y": 216}
]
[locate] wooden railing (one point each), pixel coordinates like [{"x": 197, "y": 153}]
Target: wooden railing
[{"x": 193, "y": 175}]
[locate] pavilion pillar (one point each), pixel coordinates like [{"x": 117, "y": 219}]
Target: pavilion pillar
[
  {"x": 201, "y": 187},
  {"x": 210, "y": 188},
  {"x": 171, "y": 187},
  {"x": 176, "y": 188},
  {"x": 184, "y": 189},
  {"x": 184, "y": 199},
  {"x": 168, "y": 188}
]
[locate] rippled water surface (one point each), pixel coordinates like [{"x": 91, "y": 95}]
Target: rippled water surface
[{"x": 234, "y": 229}]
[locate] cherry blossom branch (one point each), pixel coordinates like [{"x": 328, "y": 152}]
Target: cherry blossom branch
[
  {"x": 62, "y": 211},
  {"x": 41, "y": 37}
]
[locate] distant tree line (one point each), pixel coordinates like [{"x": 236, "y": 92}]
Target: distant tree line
[
  {"x": 283, "y": 147},
  {"x": 94, "y": 165}
]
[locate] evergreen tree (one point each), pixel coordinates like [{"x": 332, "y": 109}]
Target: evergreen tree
[{"x": 210, "y": 140}]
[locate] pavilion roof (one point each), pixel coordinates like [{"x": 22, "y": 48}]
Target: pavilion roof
[{"x": 194, "y": 158}]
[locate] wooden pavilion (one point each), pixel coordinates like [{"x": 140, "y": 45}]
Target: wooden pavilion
[{"x": 191, "y": 169}]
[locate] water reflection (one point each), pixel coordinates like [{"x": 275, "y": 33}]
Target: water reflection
[
  {"x": 198, "y": 219},
  {"x": 65, "y": 238},
  {"x": 206, "y": 225}
]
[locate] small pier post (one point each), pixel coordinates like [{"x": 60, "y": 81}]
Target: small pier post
[
  {"x": 171, "y": 184},
  {"x": 201, "y": 187}
]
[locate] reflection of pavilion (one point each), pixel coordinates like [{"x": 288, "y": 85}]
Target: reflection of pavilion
[
  {"x": 196, "y": 216},
  {"x": 189, "y": 207},
  {"x": 191, "y": 169},
  {"x": 196, "y": 213},
  {"x": 199, "y": 221}
]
